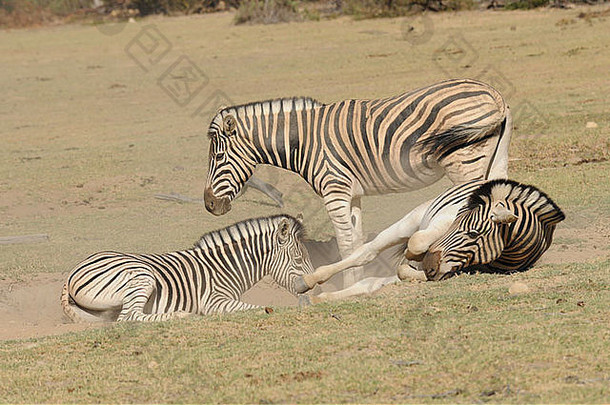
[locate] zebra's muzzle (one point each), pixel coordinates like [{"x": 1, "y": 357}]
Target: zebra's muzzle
[{"x": 215, "y": 205}]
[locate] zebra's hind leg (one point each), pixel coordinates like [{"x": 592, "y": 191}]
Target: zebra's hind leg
[{"x": 137, "y": 291}]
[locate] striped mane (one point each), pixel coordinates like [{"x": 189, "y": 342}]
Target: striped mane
[
  {"x": 257, "y": 108},
  {"x": 519, "y": 194},
  {"x": 276, "y": 105},
  {"x": 238, "y": 232}
]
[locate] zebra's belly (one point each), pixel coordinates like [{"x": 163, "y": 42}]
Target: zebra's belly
[{"x": 406, "y": 184}]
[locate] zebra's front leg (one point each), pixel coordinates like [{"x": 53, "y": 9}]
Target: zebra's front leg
[
  {"x": 397, "y": 233},
  {"x": 137, "y": 292},
  {"x": 359, "y": 257},
  {"x": 222, "y": 304},
  {"x": 367, "y": 286},
  {"x": 345, "y": 213},
  {"x": 357, "y": 273},
  {"x": 421, "y": 240}
]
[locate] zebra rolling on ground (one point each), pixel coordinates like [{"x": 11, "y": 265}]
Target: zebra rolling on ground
[
  {"x": 495, "y": 225},
  {"x": 208, "y": 278},
  {"x": 344, "y": 150}
]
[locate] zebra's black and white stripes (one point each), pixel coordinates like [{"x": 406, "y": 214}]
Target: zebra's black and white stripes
[
  {"x": 209, "y": 278},
  {"x": 498, "y": 225},
  {"x": 344, "y": 150},
  {"x": 505, "y": 226}
]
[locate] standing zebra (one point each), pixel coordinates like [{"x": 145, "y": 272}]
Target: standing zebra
[
  {"x": 344, "y": 150},
  {"x": 497, "y": 225},
  {"x": 209, "y": 278}
]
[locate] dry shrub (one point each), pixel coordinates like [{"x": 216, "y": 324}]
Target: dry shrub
[
  {"x": 525, "y": 4},
  {"x": 25, "y": 15},
  {"x": 146, "y": 7},
  {"x": 396, "y": 8},
  {"x": 266, "y": 12}
]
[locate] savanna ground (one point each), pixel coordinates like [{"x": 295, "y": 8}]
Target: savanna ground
[{"x": 92, "y": 127}]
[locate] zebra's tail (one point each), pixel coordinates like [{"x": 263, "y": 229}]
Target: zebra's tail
[
  {"x": 73, "y": 311},
  {"x": 498, "y": 166}
]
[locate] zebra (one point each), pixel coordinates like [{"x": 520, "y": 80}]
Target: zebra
[
  {"x": 505, "y": 226},
  {"x": 351, "y": 148},
  {"x": 208, "y": 278},
  {"x": 494, "y": 225}
]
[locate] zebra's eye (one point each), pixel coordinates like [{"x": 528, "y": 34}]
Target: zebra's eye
[
  {"x": 472, "y": 234},
  {"x": 220, "y": 156}
]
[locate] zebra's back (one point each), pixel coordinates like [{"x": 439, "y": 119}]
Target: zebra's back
[{"x": 400, "y": 143}]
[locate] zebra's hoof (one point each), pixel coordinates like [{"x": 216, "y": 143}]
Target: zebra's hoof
[
  {"x": 301, "y": 286},
  {"x": 407, "y": 272},
  {"x": 304, "y": 301}
]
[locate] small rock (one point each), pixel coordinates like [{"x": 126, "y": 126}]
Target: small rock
[
  {"x": 518, "y": 288},
  {"x": 153, "y": 365},
  {"x": 591, "y": 124}
]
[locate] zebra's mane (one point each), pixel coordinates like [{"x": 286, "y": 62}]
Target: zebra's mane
[
  {"x": 246, "y": 229},
  {"x": 528, "y": 196},
  {"x": 276, "y": 105}
]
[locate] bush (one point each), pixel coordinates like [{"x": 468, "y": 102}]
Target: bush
[
  {"x": 525, "y": 4},
  {"x": 146, "y": 7},
  {"x": 24, "y": 13},
  {"x": 396, "y": 8},
  {"x": 266, "y": 12}
]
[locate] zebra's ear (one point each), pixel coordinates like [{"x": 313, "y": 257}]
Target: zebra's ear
[
  {"x": 501, "y": 215},
  {"x": 229, "y": 125},
  {"x": 284, "y": 231},
  {"x": 300, "y": 218}
]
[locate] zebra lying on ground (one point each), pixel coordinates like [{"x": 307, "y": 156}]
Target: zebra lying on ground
[
  {"x": 209, "y": 278},
  {"x": 502, "y": 225},
  {"x": 344, "y": 150}
]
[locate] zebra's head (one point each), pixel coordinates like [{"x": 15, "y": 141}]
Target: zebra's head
[
  {"x": 289, "y": 256},
  {"x": 505, "y": 226},
  {"x": 232, "y": 161}
]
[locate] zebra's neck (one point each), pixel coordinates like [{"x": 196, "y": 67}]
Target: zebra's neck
[
  {"x": 280, "y": 130},
  {"x": 239, "y": 253}
]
